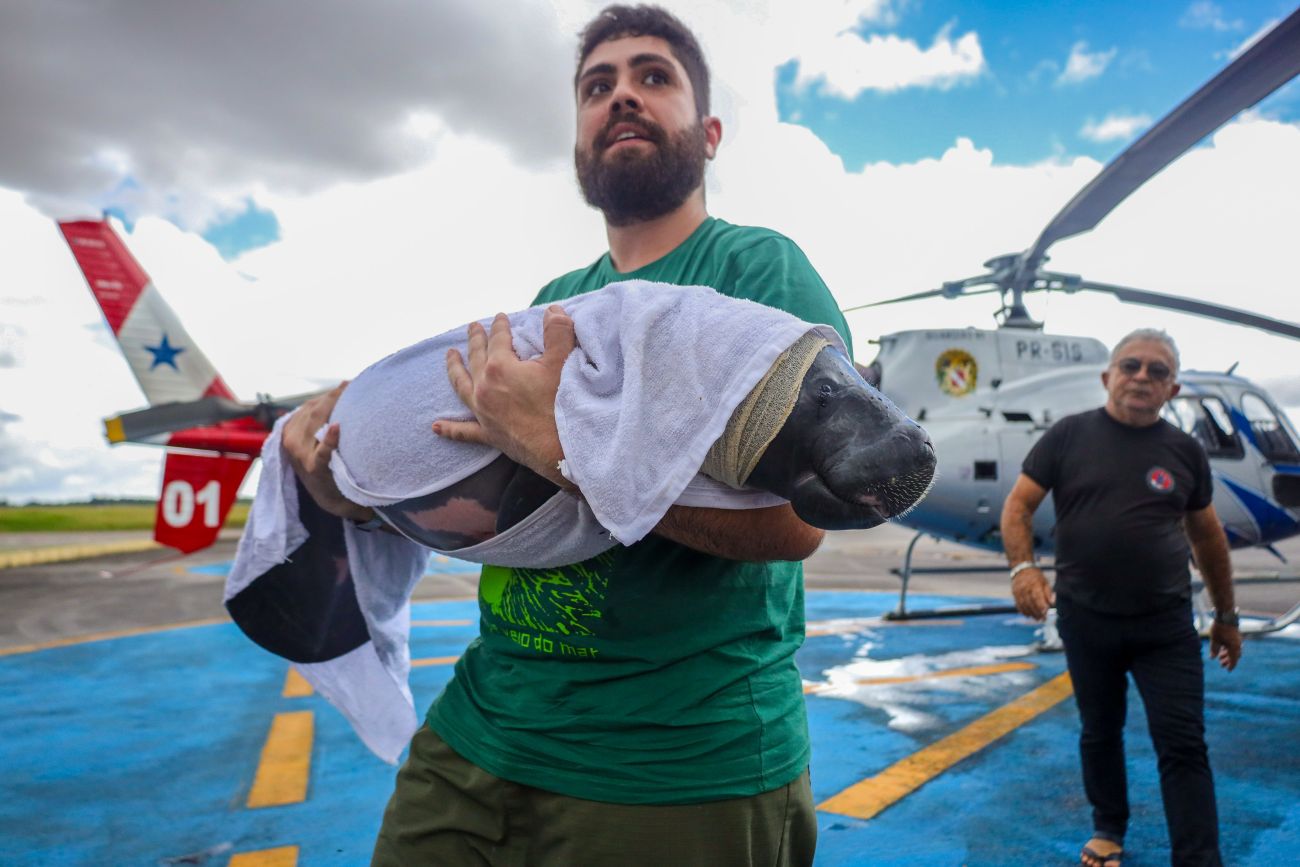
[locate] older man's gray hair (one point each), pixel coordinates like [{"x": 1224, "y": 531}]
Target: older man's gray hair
[{"x": 1157, "y": 334}]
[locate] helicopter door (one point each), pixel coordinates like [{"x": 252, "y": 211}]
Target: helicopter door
[{"x": 1272, "y": 434}]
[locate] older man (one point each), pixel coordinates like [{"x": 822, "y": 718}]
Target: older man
[{"x": 1131, "y": 492}]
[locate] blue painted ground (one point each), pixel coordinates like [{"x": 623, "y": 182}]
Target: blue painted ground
[{"x": 141, "y": 750}]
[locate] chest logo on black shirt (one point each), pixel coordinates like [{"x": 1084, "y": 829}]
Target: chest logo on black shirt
[{"x": 1160, "y": 480}]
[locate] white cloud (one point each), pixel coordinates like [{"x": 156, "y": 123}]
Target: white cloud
[
  {"x": 201, "y": 104},
  {"x": 1115, "y": 127},
  {"x": 1250, "y": 40},
  {"x": 366, "y": 266},
  {"x": 1206, "y": 15},
  {"x": 1083, "y": 65},
  {"x": 847, "y": 64}
]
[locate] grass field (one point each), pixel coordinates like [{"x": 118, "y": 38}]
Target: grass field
[{"x": 90, "y": 517}]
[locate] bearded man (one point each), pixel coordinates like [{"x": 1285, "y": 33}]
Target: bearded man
[{"x": 652, "y": 714}]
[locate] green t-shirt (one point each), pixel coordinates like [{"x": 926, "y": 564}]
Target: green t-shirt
[{"x": 651, "y": 674}]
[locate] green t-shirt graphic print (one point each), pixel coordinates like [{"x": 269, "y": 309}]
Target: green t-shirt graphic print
[{"x": 651, "y": 673}]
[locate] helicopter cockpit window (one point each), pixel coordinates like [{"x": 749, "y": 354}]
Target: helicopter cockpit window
[
  {"x": 1271, "y": 434},
  {"x": 1207, "y": 419}
]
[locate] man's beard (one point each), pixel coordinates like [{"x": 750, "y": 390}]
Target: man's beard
[{"x": 631, "y": 187}]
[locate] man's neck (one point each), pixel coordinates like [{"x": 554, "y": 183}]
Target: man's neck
[
  {"x": 638, "y": 244},
  {"x": 1132, "y": 419}
]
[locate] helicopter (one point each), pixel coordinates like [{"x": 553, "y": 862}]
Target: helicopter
[{"x": 986, "y": 395}]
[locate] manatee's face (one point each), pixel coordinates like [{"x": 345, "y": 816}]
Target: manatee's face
[{"x": 846, "y": 458}]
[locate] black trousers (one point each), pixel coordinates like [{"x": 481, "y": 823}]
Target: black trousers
[{"x": 1163, "y": 653}]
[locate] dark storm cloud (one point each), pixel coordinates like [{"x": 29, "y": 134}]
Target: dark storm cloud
[{"x": 296, "y": 94}]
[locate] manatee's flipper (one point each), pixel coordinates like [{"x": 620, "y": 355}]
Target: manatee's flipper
[
  {"x": 305, "y": 609},
  {"x": 846, "y": 456},
  {"x": 525, "y": 494}
]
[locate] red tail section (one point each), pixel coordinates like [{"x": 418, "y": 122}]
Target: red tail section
[{"x": 198, "y": 491}]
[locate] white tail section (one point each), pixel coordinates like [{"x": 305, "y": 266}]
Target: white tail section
[{"x": 161, "y": 353}]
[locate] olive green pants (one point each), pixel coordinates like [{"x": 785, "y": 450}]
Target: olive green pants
[{"x": 447, "y": 811}]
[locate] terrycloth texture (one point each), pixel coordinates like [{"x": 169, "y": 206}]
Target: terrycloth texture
[
  {"x": 656, "y": 378},
  {"x": 656, "y": 375}
]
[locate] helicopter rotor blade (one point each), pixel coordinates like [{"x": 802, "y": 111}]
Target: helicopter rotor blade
[
  {"x": 948, "y": 290},
  {"x": 154, "y": 421},
  {"x": 1257, "y": 72},
  {"x": 170, "y": 417},
  {"x": 1193, "y": 306}
]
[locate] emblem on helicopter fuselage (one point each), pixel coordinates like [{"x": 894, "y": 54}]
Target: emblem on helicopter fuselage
[{"x": 956, "y": 371}]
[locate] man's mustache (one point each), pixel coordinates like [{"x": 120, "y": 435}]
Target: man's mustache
[{"x": 648, "y": 129}]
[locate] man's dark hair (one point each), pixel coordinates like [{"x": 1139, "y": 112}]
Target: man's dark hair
[{"x": 616, "y": 22}]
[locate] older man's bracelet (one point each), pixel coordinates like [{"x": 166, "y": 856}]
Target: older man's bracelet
[{"x": 1022, "y": 566}]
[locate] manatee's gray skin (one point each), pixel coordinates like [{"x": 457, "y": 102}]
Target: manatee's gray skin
[{"x": 847, "y": 457}]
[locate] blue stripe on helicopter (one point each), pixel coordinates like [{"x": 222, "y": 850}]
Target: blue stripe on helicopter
[{"x": 1274, "y": 523}]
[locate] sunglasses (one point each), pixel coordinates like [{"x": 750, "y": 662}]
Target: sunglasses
[{"x": 1157, "y": 370}]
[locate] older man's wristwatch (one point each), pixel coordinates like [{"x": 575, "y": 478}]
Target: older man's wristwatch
[{"x": 1228, "y": 618}]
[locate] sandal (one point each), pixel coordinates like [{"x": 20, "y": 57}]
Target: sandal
[{"x": 1112, "y": 859}]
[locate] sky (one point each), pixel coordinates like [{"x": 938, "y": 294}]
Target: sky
[{"x": 313, "y": 184}]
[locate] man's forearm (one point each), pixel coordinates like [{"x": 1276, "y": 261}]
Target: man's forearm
[
  {"x": 1017, "y": 532},
  {"x": 1215, "y": 565},
  {"x": 754, "y": 535}
]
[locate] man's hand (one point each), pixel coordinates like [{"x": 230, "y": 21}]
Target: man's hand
[
  {"x": 1225, "y": 644},
  {"x": 513, "y": 401},
  {"x": 1033, "y": 593},
  {"x": 310, "y": 458}
]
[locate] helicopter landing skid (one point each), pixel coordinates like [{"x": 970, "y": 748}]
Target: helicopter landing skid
[{"x": 906, "y": 572}]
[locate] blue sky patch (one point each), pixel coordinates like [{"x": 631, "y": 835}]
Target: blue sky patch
[
  {"x": 245, "y": 230},
  {"x": 1151, "y": 55}
]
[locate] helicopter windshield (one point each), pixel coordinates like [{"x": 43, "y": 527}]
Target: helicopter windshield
[
  {"x": 1270, "y": 430},
  {"x": 1207, "y": 419}
]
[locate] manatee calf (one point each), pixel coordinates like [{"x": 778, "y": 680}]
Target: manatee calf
[
  {"x": 840, "y": 451},
  {"x": 673, "y": 395}
]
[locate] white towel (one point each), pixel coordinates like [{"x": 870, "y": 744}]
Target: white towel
[{"x": 656, "y": 375}]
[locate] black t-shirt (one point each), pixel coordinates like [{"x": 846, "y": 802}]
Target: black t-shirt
[{"x": 1121, "y": 494}]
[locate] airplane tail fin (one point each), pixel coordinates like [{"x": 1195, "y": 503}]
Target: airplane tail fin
[
  {"x": 198, "y": 491},
  {"x": 163, "y": 356}
]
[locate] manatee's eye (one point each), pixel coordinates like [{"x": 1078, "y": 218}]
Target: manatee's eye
[{"x": 824, "y": 394}]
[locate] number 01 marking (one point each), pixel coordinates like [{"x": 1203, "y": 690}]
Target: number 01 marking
[{"x": 179, "y": 499}]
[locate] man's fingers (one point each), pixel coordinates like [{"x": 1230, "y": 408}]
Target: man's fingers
[
  {"x": 459, "y": 377},
  {"x": 477, "y": 351},
  {"x": 330, "y": 441},
  {"x": 460, "y": 431},
  {"x": 558, "y": 337},
  {"x": 499, "y": 341}
]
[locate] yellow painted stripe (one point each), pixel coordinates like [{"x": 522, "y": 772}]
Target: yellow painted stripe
[
  {"x": 105, "y": 636},
  {"x": 284, "y": 856},
  {"x": 433, "y": 660},
  {"x": 295, "y": 685},
  {"x": 64, "y": 553},
  {"x": 966, "y": 671},
  {"x": 285, "y": 766},
  {"x": 441, "y": 622},
  {"x": 865, "y": 799}
]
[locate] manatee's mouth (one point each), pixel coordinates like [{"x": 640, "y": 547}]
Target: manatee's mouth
[{"x": 818, "y": 503}]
